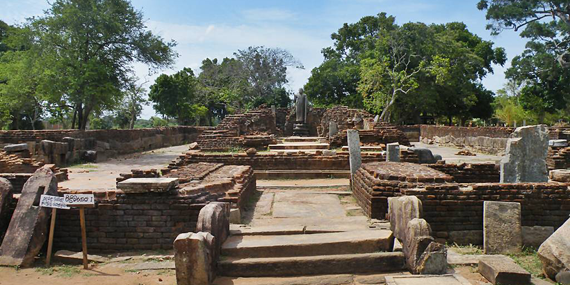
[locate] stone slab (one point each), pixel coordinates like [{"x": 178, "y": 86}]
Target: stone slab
[
  {"x": 145, "y": 185},
  {"x": 502, "y": 230},
  {"x": 192, "y": 258},
  {"x": 558, "y": 143},
  {"x": 560, "y": 175},
  {"x": 427, "y": 280},
  {"x": 16, "y": 147},
  {"x": 300, "y": 205},
  {"x": 152, "y": 266},
  {"x": 503, "y": 270},
  {"x": 27, "y": 231},
  {"x": 393, "y": 152},
  {"x": 72, "y": 257}
]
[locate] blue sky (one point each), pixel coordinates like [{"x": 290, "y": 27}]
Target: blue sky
[{"x": 216, "y": 29}]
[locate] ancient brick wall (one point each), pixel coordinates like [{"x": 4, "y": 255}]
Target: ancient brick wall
[
  {"x": 456, "y": 213},
  {"x": 491, "y": 140},
  {"x": 558, "y": 158},
  {"x": 470, "y": 173},
  {"x": 412, "y": 132},
  {"x": 344, "y": 117},
  {"x": 289, "y": 161},
  {"x": 107, "y": 143}
]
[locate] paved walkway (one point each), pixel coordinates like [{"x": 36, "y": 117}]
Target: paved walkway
[
  {"x": 101, "y": 176},
  {"x": 450, "y": 156}
]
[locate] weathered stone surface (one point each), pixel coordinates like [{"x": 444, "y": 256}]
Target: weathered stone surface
[
  {"x": 71, "y": 257},
  {"x": 16, "y": 147},
  {"x": 535, "y": 236},
  {"x": 554, "y": 253},
  {"x": 27, "y": 231},
  {"x": 401, "y": 211},
  {"x": 563, "y": 277},
  {"x": 235, "y": 216},
  {"x": 145, "y": 185},
  {"x": 454, "y": 279},
  {"x": 393, "y": 152},
  {"x": 423, "y": 255},
  {"x": 193, "y": 258},
  {"x": 560, "y": 175},
  {"x": 333, "y": 129},
  {"x": 251, "y": 151},
  {"x": 424, "y": 155},
  {"x": 6, "y": 193},
  {"x": 354, "y": 150},
  {"x": 214, "y": 218},
  {"x": 558, "y": 143},
  {"x": 525, "y": 159},
  {"x": 193, "y": 146},
  {"x": 502, "y": 231},
  {"x": 503, "y": 270},
  {"x": 433, "y": 260}
]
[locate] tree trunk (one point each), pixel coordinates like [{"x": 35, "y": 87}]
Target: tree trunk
[{"x": 74, "y": 116}]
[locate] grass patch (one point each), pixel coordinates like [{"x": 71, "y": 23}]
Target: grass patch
[
  {"x": 60, "y": 270},
  {"x": 466, "y": 249},
  {"x": 528, "y": 259},
  {"x": 84, "y": 166}
]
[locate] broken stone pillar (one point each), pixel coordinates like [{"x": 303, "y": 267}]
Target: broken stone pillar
[
  {"x": 502, "y": 231},
  {"x": 354, "y": 150},
  {"x": 193, "y": 258},
  {"x": 27, "y": 231},
  {"x": 393, "y": 152},
  {"x": 401, "y": 211},
  {"x": 6, "y": 193},
  {"x": 423, "y": 255},
  {"x": 333, "y": 129},
  {"x": 525, "y": 159},
  {"x": 214, "y": 218},
  {"x": 554, "y": 253}
]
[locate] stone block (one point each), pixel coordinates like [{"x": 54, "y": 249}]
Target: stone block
[
  {"x": 145, "y": 185},
  {"x": 27, "y": 231},
  {"x": 503, "y": 270},
  {"x": 6, "y": 193},
  {"x": 560, "y": 175},
  {"x": 401, "y": 211},
  {"x": 526, "y": 152},
  {"x": 193, "y": 258},
  {"x": 563, "y": 277},
  {"x": 235, "y": 216},
  {"x": 333, "y": 129},
  {"x": 502, "y": 231},
  {"x": 554, "y": 253},
  {"x": 423, "y": 255},
  {"x": 354, "y": 150},
  {"x": 16, "y": 147},
  {"x": 454, "y": 279},
  {"x": 535, "y": 236},
  {"x": 393, "y": 152},
  {"x": 558, "y": 143},
  {"x": 424, "y": 155}
]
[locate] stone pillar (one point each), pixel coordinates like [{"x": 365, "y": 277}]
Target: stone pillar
[
  {"x": 6, "y": 192},
  {"x": 333, "y": 129},
  {"x": 525, "y": 159},
  {"x": 27, "y": 231},
  {"x": 502, "y": 231},
  {"x": 393, "y": 152},
  {"x": 354, "y": 150},
  {"x": 192, "y": 258}
]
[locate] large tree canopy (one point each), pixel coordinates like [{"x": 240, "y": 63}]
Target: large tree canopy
[
  {"x": 403, "y": 72},
  {"x": 85, "y": 49}
]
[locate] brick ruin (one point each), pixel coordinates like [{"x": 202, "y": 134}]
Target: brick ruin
[
  {"x": 124, "y": 221},
  {"x": 453, "y": 197}
]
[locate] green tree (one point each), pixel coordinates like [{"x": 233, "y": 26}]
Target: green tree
[
  {"x": 87, "y": 49},
  {"x": 175, "y": 96},
  {"x": 266, "y": 71}
]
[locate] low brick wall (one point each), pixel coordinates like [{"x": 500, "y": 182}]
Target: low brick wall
[
  {"x": 456, "y": 213},
  {"x": 287, "y": 161},
  {"x": 107, "y": 143},
  {"x": 470, "y": 173},
  {"x": 455, "y": 210},
  {"x": 491, "y": 140}
]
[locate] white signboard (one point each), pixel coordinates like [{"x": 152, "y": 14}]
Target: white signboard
[
  {"x": 79, "y": 199},
  {"x": 48, "y": 201}
]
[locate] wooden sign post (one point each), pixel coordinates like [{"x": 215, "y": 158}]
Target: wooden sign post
[{"x": 81, "y": 201}]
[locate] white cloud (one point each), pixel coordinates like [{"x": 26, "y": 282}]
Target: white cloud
[{"x": 271, "y": 14}]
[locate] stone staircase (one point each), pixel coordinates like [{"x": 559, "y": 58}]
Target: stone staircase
[
  {"x": 297, "y": 144},
  {"x": 361, "y": 251}
]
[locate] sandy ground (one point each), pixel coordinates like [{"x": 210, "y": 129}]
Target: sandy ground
[
  {"x": 449, "y": 154},
  {"x": 101, "y": 176}
]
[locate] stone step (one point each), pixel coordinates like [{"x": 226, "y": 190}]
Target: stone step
[
  {"x": 376, "y": 262},
  {"x": 303, "y": 139},
  {"x": 301, "y": 174},
  {"x": 366, "y": 148},
  {"x": 365, "y": 241},
  {"x": 299, "y": 145}
]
